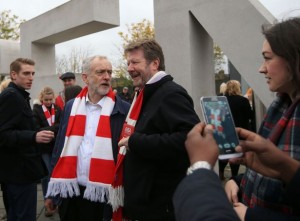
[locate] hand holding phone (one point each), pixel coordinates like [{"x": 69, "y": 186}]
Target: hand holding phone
[{"x": 216, "y": 111}]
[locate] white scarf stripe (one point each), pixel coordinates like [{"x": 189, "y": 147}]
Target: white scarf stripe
[
  {"x": 104, "y": 150},
  {"x": 72, "y": 141}
]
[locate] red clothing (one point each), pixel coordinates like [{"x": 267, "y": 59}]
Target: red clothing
[{"x": 59, "y": 102}]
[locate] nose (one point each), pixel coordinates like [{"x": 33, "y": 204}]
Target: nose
[
  {"x": 107, "y": 75},
  {"x": 31, "y": 76},
  {"x": 262, "y": 69},
  {"x": 130, "y": 67}
]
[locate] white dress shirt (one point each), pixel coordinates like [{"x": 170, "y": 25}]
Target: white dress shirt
[{"x": 93, "y": 112}]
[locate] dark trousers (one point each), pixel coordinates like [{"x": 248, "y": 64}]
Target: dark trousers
[
  {"x": 233, "y": 167},
  {"x": 22, "y": 200},
  {"x": 79, "y": 209}
]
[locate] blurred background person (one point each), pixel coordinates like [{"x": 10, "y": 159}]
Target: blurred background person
[
  {"x": 68, "y": 79},
  {"x": 47, "y": 117},
  {"x": 71, "y": 92},
  {"x": 125, "y": 95}
]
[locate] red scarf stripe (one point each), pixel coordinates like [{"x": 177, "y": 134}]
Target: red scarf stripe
[
  {"x": 104, "y": 120},
  {"x": 61, "y": 171},
  {"x": 50, "y": 117},
  {"x": 105, "y": 176},
  {"x": 80, "y": 126}
]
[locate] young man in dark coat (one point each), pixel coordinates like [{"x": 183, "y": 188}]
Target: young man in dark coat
[
  {"x": 156, "y": 159},
  {"x": 20, "y": 160}
]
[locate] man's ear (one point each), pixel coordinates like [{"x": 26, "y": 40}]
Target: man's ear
[
  {"x": 84, "y": 78},
  {"x": 156, "y": 63},
  {"x": 13, "y": 75}
]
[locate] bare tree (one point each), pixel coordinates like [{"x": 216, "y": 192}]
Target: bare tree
[{"x": 73, "y": 60}]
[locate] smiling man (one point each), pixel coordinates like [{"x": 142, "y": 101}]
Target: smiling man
[
  {"x": 20, "y": 160},
  {"x": 163, "y": 113},
  {"x": 86, "y": 147}
]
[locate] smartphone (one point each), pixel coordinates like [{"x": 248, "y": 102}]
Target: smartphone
[{"x": 216, "y": 111}]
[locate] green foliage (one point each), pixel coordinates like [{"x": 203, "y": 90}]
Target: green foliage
[
  {"x": 218, "y": 58},
  {"x": 9, "y": 26},
  {"x": 135, "y": 31}
]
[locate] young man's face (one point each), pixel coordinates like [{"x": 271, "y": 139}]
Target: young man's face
[
  {"x": 24, "y": 77},
  {"x": 69, "y": 82}
]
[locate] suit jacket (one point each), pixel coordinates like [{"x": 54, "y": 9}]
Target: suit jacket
[
  {"x": 157, "y": 159},
  {"x": 20, "y": 159},
  {"x": 200, "y": 196}
]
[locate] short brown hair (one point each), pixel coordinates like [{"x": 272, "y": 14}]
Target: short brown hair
[
  {"x": 16, "y": 64},
  {"x": 152, "y": 51}
]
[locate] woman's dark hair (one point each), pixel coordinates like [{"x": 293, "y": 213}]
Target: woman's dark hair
[
  {"x": 71, "y": 92},
  {"x": 284, "y": 39}
]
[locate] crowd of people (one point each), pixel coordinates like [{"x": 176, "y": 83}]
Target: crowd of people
[{"x": 103, "y": 155}]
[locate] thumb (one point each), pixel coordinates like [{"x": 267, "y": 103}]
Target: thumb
[{"x": 209, "y": 130}]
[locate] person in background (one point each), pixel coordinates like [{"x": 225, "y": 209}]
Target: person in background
[
  {"x": 86, "y": 147},
  {"x": 160, "y": 119},
  {"x": 222, "y": 89},
  {"x": 4, "y": 85},
  {"x": 115, "y": 91},
  {"x": 68, "y": 79},
  {"x": 200, "y": 194},
  {"x": 47, "y": 117},
  {"x": 241, "y": 113},
  {"x": 281, "y": 69},
  {"x": 71, "y": 92},
  {"x": 21, "y": 164},
  {"x": 125, "y": 95}
]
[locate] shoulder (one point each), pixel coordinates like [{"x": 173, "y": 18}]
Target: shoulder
[
  {"x": 121, "y": 106},
  {"x": 10, "y": 94}
]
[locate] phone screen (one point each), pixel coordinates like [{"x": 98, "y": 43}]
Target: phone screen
[{"x": 217, "y": 112}]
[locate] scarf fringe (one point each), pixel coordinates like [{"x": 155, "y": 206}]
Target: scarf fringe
[
  {"x": 116, "y": 197},
  {"x": 96, "y": 193},
  {"x": 63, "y": 188}
]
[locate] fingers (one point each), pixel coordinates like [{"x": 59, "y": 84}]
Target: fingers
[
  {"x": 198, "y": 128},
  {"x": 208, "y": 130}
]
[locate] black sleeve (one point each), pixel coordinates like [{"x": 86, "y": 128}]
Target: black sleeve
[
  {"x": 12, "y": 109},
  {"x": 200, "y": 196},
  {"x": 264, "y": 214}
]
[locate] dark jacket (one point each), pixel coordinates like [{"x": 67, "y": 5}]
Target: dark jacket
[
  {"x": 41, "y": 123},
  {"x": 241, "y": 111},
  {"x": 200, "y": 196},
  {"x": 117, "y": 119},
  {"x": 20, "y": 159},
  {"x": 157, "y": 159}
]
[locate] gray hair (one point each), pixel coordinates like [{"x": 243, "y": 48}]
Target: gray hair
[{"x": 86, "y": 64}]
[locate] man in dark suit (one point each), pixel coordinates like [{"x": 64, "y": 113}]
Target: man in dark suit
[{"x": 20, "y": 161}]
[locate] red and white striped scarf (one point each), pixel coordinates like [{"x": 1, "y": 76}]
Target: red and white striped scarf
[
  {"x": 116, "y": 192},
  {"x": 63, "y": 181},
  {"x": 49, "y": 116}
]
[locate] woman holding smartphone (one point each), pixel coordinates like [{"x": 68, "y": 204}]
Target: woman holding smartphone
[{"x": 281, "y": 68}]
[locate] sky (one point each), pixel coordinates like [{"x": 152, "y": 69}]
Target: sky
[{"x": 131, "y": 11}]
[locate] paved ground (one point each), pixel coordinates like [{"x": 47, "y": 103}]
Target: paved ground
[
  {"x": 40, "y": 205},
  {"x": 40, "y": 208}
]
